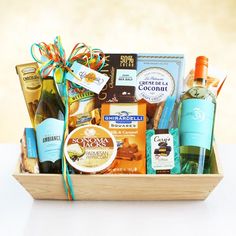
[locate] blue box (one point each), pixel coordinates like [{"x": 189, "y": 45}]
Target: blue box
[
  {"x": 159, "y": 76},
  {"x": 31, "y": 145}
]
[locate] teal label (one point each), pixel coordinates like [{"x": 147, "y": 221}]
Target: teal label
[
  {"x": 31, "y": 143},
  {"x": 49, "y": 135},
  {"x": 196, "y": 123},
  {"x": 126, "y": 77}
]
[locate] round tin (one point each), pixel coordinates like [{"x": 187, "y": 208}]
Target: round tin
[{"x": 90, "y": 148}]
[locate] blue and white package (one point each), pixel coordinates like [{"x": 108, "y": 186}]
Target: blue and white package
[
  {"x": 31, "y": 143},
  {"x": 159, "y": 76}
]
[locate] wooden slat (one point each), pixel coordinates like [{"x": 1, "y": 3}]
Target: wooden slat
[{"x": 123, "y": 187}]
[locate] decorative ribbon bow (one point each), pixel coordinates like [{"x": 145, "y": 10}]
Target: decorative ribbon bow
[{"x": 53, "y": 60}]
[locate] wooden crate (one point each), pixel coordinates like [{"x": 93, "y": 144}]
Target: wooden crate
[{"x": 124, "y": 187}]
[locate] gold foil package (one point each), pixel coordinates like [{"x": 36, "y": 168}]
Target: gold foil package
[
  {"x": 81, "y": 107},
  {"x": 91, "y": 117},
  {"x": 31, "y": 86}
]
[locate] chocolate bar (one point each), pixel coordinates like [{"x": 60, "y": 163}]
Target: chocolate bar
[
  {"x": 120, "y": 88},
  {"x": 165, "y": 149}
]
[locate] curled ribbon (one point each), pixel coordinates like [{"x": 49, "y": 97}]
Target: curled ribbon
[{"x": 52, "y": 58}]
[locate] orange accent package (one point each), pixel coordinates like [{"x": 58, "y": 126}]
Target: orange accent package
[
  {"x": 201, "y": 68},
  {"x": 127, "y": 122}
]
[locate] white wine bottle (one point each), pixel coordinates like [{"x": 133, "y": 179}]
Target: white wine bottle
[
  {"x": 196, "y": 122},
  {"x": 49, "y": 123}
]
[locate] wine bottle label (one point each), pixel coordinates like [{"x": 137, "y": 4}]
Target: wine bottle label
[
  {"x": 49, "y": 135},
  {"x": 196, "y": 123},
  {"x": 162, "y": 148}
]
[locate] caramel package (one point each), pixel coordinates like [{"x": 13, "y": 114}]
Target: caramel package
[
  {"x": 120, "y": 88},
  {"x": 31, "y": 86},
  {"x": 127, "y": 122}
]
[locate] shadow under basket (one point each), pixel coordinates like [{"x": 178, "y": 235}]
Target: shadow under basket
[{"x": 124, "y": 187}]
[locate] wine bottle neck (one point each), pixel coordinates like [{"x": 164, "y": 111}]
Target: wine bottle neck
[
  {"x": 49, "y": 85},
  {"x": 201, "y": 71},
  {"x": 199, "y": 82}
]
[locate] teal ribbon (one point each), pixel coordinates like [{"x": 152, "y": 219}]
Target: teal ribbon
[{"x": 56, "y": 60}]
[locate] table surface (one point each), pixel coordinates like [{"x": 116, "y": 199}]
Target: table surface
[{"x": 21, "y": 215}]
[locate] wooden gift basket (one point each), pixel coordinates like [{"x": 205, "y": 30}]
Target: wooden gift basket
[{"x": 124, "y": 187}]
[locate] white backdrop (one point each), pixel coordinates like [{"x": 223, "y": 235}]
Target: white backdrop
[{"x": 164, "y": 26}]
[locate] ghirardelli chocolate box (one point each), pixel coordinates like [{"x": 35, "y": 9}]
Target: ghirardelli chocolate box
[{"x": 120, "y": 88}]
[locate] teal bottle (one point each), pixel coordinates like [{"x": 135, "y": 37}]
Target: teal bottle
[{"x": 196, "y": 123}]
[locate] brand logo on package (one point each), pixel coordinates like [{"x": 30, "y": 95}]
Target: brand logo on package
[
  {"x": 123, "y": 119},
  {"x": 162, "y": 152},
  {"x": 154, "y": 85},
  {"x": 197, "y": 114},
  {"x": 29, "y": 70},
  {"x": 126, "y": 61}
]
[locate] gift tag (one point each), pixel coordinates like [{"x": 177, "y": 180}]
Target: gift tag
[
  {"x": 87, "y": 77},
  {"x": 162, "y": 152}
]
